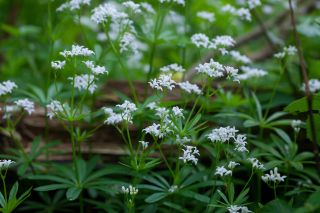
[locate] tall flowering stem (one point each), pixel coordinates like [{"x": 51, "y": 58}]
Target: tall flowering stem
[{"x": 306, "y": 84}]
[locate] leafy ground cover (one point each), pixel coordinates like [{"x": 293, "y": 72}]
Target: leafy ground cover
[{"x": 160, "y": 106}]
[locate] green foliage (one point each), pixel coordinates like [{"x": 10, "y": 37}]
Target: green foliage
[{"x": 8, "y": 206}]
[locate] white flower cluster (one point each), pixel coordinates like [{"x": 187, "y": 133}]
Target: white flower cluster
[
  {"x": 290, "y": 50},
  {"x": 26, "y": 104},
  {"x": 190, "y": 88},
  {"x": 144, "y": 144},
  {"x": 215, "y": 70},
  {"x": 296, "y": 125},
  {"x": 314, "y": 86},
  {"x": 130, "y": 190},
  {"x": 77, "y": 50},
  {"x": 225, "y": 134},
  {"x": 222, "y": 41},
  {"x": 135, "y": 8},
  {"x": 129, "y": 43},
  {"x": 84, "y": 82},
  {"x": 173, "y": 188},
  {"x": 181, "y": 2},
  {"x": 58, "y": 65},
  {"x": 166, "y": 116},
  {"x": 8, "y": 110},
  {"x": 96, "y": 70},
  {"x": 106, "y": 12},
  {"x": 240, "y": 58},
  {"x": 238, "y": 209},
  {"x": 253, "y": 3},
  {"x": 200, "y": 40},
  {"x": 249, "y": 72},
  {"x": 5, "y": 164},
  {"x": 164, "y": 81},
  {"x": 126, "y": 113},
  {"x": 147, "y": 7},
  {"x": 219, "y": 42},
  {"x": 54, "y": 108},
  {"x": 242, "y": 13},
  {"x": 155, "y": 130},
  {"x": 222, "y": 171},
  {"x": 274, "y": 176},
  {"x": 190, "y": 153},
  {"x": 182, "y": 140},
  {"x": 208, "y": 16},
  {"x": 73, "y": 5},
  {"x": 6, "y": 87},
  {"x": 222, "y": 134},
  {"x": 172, "y": 67},
  {"x": 256, "y": 164}
]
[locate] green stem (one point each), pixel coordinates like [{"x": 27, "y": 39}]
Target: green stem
[
  {"x": 117, "y": 54},
  {"x": 3, "y": 177}
]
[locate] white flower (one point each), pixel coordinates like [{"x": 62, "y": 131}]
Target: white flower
[
  {"x": 152, "y": 105},
  {"x": 96, "y": 70},
  {"x": 240, "y": 58},
  {"x": 147, "y": 7},
  {"x": 296, "y": 125},
  {"x": 233, "y": 164},
  {"x": 162, "y": 112},
  {"x": 190, "y": 88},
  {"x": 126, "y": 113},
  {"x": 240, "y": 142},
  {"x": 183, "y": 140},
  {"x": 54, "y": 108},
  {"x": 208, "y": 16},
  {"x": 84, "y": 82},
  {"x": 181, "y": 2},
  {"x": 243, "y": 13},
  {"x": 222, "y": 171},
  {"x": 212, "y": 69},
  {"x": 154, "y": 129},
  {"x": 5, "y": 164},
  {"x": 249, "y": 72},
  {"x": 177, "y": 112},
  {"x": 107, "y": 11},
  {"x": 222, "y": 134},
  {"x": 173, "y": 188},
  {"x": 238, "y": 209},
  {"x": 256, "y": 164},
  {"x": 58, "y": 65},
  {"x": 77, "y": 50},
  {"x": 135, "y": 8},
  {"x": 200, "y": 40},
  {"x": 253, "y": 3},
  {"x": 190, "y": 153},
  {"x": 164, "y": 81},
  {"x": 73, "y": 5},
  {"x": 172, "y": 67},
  {"x": 231, "y": 73},
  {"x": 127, "y": 110},
  {"x": 8, "y": 110},
  {"x": 6, "y": 87},
  {"x": 157, "y": 131},
  {"x": 274, "y": 176},
  {"x": 26, "y": 104},
  {"x": 144, "y": 144},
  {"x": 290, "y": 50},
  {"x": 314, "y": 86},
  {"x": 113, "y": 118},
  {"x": 128, "y": 42},
  {"x": 130, "y": 190},
  {"x": 222, "y": 41}
]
